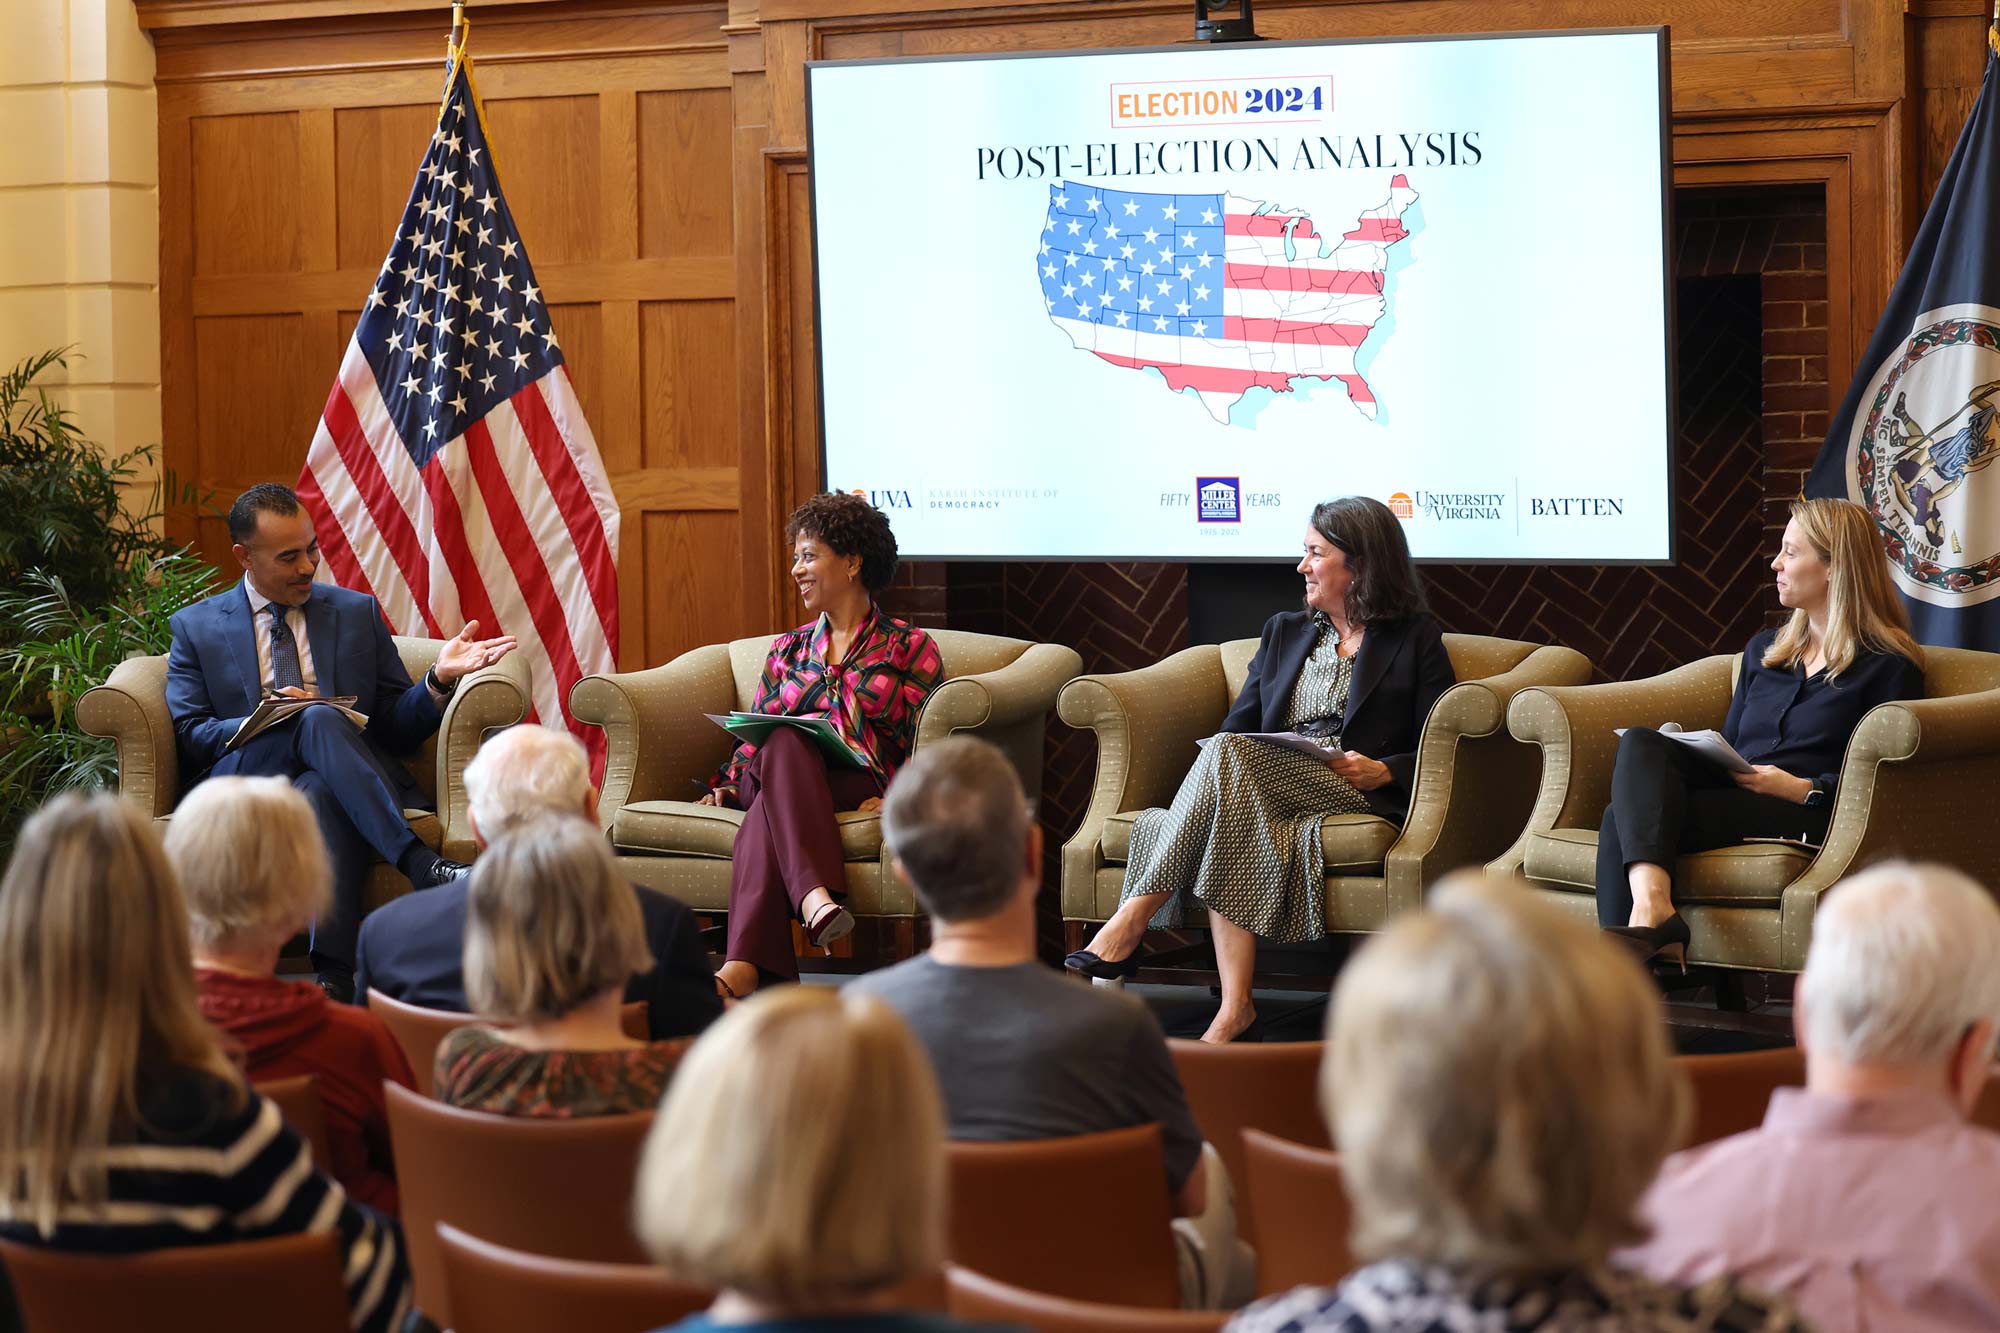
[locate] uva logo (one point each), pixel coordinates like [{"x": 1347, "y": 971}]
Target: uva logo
[
  {"x": 1400, "y": 506},
  {"x": 885, "y": 499},
  {"x": 1930, "y": 431}
]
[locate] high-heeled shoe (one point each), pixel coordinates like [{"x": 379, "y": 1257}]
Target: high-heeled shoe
[
  {"x": 830, "y": 924},
  {"x": 1085, "y": 963},
  {"x": 1667, "y": 941}
]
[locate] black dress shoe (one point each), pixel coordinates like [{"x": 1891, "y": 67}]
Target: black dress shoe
[
  {"x": 1088, "y": 964},
  {"x": 339, "y": 986},
  {"x": 1668, "y": 940},
  {"x": 437, "y": 870}
]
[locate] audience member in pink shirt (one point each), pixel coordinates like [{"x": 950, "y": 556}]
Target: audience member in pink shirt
[{"x": 1865, "y": 1195}]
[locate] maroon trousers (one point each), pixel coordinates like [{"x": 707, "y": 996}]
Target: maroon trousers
[{"x": 788, "y": 846}]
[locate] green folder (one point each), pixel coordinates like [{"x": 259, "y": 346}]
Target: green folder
[{"x": 756, "y": 727}]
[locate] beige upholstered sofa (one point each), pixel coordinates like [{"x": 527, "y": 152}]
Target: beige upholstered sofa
[
  {"x": 1473, "y": 783},
  {"x": 662, "y": 751},
  {"x": 131, "y": 708},
  {"x": 1918, "y": 780}
]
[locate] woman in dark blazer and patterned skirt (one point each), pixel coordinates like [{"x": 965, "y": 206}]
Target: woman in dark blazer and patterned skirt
[{"x": 1357, "y": 668}]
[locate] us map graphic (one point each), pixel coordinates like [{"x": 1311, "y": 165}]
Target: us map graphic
[{"x": 1216, "y": 292}]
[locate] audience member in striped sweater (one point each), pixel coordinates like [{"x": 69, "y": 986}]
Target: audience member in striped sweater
[{"x": 123, "y": 1126}]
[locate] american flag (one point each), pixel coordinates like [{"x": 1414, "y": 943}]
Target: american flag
[
  {"x": 453, "y": 475},
  {"x": 1218, "y": 293}
]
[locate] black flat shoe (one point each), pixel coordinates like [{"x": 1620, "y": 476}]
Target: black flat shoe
[
  {"x": 1668, "y": 940},
  {"x": 1085, "y": 963}
]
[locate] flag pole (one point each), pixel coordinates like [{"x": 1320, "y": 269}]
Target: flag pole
[
  {"x": 1993, "y": 30},
  {"x": 457, "y": 39}
]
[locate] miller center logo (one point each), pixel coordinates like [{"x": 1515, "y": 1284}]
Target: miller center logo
[{"x": 1932, "y": 427}]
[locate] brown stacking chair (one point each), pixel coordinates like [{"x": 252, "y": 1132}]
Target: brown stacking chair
[
  {"x": 419, "y": 1031},
  {"x": 1035, "y": 1213},
  {"x": 976, "y": 1298},
  {"x": 1273, "y": 1087},
  {"x": 299, "y": 1102},
  {"x": 636, "y": 1021},
  {"x": 495, "y": 1289},
  {"x": 288, "y": 1282},
  {"x": 1731, "y": 1091},
  {"x": 561, "y": 1188},
  {"x": 1300, "y": 1203}
]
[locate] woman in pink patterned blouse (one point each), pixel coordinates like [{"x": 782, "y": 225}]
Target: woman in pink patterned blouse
[{"x": 865, "y": 672}]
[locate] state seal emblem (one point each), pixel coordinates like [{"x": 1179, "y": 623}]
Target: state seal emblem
[{"x": 1930, "y": 427}]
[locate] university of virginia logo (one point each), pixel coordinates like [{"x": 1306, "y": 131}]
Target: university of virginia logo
[{"x": 1931, "y": 429}]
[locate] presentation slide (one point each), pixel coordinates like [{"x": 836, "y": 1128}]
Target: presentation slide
[{"x": 1156, "y": 304}]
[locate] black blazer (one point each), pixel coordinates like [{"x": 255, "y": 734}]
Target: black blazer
[
  {"x": 1399, "y": 673},
  {"x": 413, "y": 950}
]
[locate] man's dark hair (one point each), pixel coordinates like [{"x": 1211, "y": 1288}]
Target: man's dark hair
[
  {"x": 1386, "y": 585},
  {"x": 955, "y": 819},
  {"x": 266, "y": 497},
  {"x": 850, "y": 526}
]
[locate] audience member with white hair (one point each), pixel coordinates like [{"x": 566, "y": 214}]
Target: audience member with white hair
[
  {"x": 1498, "y": 1081},
  {"x": 411, "y": 949},
  {"x": 552, "y": 932},
  {"x": 1865, "y": 1194},
  {"x": 251, "y": 861}
]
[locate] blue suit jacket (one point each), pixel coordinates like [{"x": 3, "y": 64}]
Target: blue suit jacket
[
  {"x": 1399, "y": 673},
  {"x": 213, "y": 684}
]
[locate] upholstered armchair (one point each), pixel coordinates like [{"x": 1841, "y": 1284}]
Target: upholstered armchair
[
  {"x": 661, "y": 750},
  {"x": 131, "y": 708},
  {"x": 1918, "y": 780},
  {"x": 1471, "y": 796}
]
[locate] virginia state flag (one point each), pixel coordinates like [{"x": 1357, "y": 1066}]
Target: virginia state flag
[{"x": 1916, "y": 436}]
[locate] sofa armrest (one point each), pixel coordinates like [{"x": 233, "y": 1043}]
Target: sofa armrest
[
  {"x": 485, "y": 700},
  {"x": 1475, "y": 783},
  {"x": 1023, "y": 689},
  {"x": 1915, "y": 783},
  {"x": 130, "y": 707},
  {"x": 1147, "y": 722},
  {"x": 658, "y": 744},
  {"x": 1576, "y": 728}
]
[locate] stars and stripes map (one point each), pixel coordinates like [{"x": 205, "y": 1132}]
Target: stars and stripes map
[{"x": 1216, "y": 292}]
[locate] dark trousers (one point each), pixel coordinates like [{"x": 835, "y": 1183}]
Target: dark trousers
[
  {"x": 788, "y": 846},
  {"x": 356, "y": 799},
  {"x": 1667, "y": 801}
]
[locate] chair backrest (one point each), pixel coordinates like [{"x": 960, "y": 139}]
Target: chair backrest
[
  {"x": 1731, "y": 1091},
  {"x": 1300, "y": 1204},
  {"x": 1014, "y": 1215},
  {"x": 495, "y": 1289},
  {"x": 288, "y": 1282},
  {"x": 635, "y": 1021},
  {"x": 1473, "y": 657},
  {"x": 419, "y": 1031},
  {"x": 963, "y": 652},
  {"x": 1949, "y": 671},
  {"x": 1270, "y": 1086},
  {"x": 561, "y": 1188},
  {"x": 976, "y": 1298},
  {"x": 298, "y": 1101}
]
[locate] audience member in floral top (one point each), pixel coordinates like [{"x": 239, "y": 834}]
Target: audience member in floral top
[
  {"x": 552, "y": 934},
  {"x": 866, "y": 673}
]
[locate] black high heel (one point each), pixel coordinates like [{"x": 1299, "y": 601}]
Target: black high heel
[
  {"x": 1085, "y": 963},
  {"x": 1667, "y": 941}
]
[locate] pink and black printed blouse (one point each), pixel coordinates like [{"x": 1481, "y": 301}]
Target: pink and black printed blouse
[{"x": 872, "y": 696}]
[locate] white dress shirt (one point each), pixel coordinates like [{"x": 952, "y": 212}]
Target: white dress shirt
[{"x": 295, "y": 617}]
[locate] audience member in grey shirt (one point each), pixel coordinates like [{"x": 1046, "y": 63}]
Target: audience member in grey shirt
[{"x": 1022, "y": 1052}]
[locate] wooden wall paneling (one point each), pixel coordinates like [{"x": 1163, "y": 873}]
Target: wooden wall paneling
[
  {"x": 1848, "y": 156},
  {"x": 767, "y": 599},
  {"x": 177, "y": 358}
]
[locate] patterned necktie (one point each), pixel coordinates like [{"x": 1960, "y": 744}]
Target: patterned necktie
[{"x": 284, "y": 651}]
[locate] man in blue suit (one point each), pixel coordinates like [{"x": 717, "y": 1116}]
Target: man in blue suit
[{"x": 279, "y": 632}]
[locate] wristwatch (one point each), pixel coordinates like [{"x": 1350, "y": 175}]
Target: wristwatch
[
  {"x": 431, "y": 680},
  {"x": 1815, "y": 798}
]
